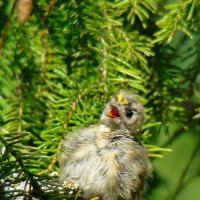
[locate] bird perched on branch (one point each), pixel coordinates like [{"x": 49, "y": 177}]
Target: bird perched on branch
[{"x": 105, "y": 160}]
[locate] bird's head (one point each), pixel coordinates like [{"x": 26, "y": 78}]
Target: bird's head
[{"x": 123, "y": 113}]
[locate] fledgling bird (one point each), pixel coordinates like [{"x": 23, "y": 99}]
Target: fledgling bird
[{"x": 105, "y": 160}]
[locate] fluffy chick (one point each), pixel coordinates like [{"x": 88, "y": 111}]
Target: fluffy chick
[{"x": 105, "y": 160}]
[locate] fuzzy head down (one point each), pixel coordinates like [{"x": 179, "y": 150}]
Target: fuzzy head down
[{"x": 124, "y": 112}]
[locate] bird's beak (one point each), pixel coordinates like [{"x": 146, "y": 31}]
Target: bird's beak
[{"x": 114, "y": 112}]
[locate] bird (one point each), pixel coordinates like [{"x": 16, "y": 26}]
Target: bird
[{"x": 106, "y": 161}]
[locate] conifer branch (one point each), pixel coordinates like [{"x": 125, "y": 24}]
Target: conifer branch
[{"x": 37, "y": 191}]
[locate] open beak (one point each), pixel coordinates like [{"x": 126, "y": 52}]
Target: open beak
[{"x": 114, "y": 112}]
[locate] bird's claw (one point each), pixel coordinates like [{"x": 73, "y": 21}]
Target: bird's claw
[
  {"x": 71, "y": 186},
  {"x": 95, "y": 198}
]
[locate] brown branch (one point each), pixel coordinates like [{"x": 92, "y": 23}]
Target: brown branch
[
  {"x": 4, "y": 36},
  {"x": 50, "y": 7},
  {"x": 7, "y": 27},
  {"x": 24, "y": 8}
]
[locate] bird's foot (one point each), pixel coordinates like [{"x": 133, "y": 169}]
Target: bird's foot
[
  {"x": 71, "y": 186},
  {"x": 95, "y": 198}
]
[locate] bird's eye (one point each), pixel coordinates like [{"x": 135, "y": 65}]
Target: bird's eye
[{"x": 129, "y": 114}]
